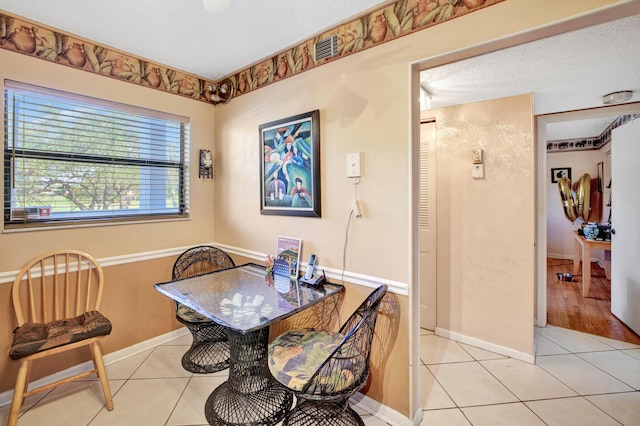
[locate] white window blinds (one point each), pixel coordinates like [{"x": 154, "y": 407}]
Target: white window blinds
[{"x": 71, "y": 158}]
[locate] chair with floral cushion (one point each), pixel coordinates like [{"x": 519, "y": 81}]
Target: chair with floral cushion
[
  {"x": 209, "y": 351},
  {"x": 56, "y": 298},
  {"x": 323, "y": 368}
]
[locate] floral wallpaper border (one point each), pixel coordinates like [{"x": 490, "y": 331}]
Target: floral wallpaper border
[
  {"x": 396, "y": 20},
  {"x": 388, "y": 23}
]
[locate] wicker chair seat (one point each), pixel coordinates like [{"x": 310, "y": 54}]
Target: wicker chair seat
[
  {"x": 31, "y": 338},
  {"x": 187, "y": 314},
  {"x": 323, "y": 368},
  {"x": 295, "y": 356}
]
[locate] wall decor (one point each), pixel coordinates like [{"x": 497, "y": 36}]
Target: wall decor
[
  {"x": 19, "y": 35},
  {"x": 289, "y": 249},
  {"x": 290, "y": 166},
  {"x": 206, "y": 164},
  {"x": 559, "y": 173},
  {"x": 394, "y": 20}
]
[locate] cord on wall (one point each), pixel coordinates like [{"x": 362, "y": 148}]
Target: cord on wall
[
  {"x": 344, "y": 249},
  {"x": 355, "y": 205}
]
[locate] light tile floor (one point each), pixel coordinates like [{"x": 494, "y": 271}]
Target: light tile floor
[
  {"x": 150, "y": 388},
  {"x": 578, "y": 379}
]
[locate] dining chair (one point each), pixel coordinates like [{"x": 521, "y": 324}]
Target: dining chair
[
  {"x": 56, "y": 299},
  {"x": 323, "y": 368},
  {"x": 209, "y": 351}
]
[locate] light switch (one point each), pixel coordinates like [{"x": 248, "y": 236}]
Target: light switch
[
  {"x": 353, "y": 165},
  {"x": 476, "y": 156}
]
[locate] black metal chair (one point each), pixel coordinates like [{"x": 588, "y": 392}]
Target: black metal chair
[
  {"x": 209, "y": 351},
  {"x": 323, "y": 369}
]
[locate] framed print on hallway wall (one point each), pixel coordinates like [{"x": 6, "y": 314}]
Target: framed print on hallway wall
[
  {"x": 290, "y": 166},
  {"x": 558, "y": 173}
]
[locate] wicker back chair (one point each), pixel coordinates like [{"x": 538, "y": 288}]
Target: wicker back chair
[
  {"x": 56, "y": 298},
  {"x": 323, "y": 369},
  {"x": 209, "y": 351}
]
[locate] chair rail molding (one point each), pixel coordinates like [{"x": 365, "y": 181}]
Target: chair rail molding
[{"x": 337, "y": 275}]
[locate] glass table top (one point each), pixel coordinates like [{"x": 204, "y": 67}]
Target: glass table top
[{"x": 243, "y": 298}]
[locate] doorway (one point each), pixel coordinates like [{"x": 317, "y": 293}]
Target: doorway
[
  {"x": 544, "y": 195},
  {"x": 540, "y": 208},
  {"x": 589, "y": 153}
]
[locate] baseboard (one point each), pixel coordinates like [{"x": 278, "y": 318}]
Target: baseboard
[
  {"x": 488, "y": 346},
  {"x": 7, "y": 396},
  {"x": 389, "y": 415}
]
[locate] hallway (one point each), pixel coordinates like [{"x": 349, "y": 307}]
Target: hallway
[{"x": 567, "y": 308}]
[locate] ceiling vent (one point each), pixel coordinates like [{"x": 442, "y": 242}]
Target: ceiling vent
[{"x": 326, "y": 48}]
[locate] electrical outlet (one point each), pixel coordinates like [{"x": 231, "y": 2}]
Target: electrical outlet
[{"x": 353, "y": 165}]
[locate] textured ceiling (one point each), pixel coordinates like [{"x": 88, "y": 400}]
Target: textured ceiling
[
  {"x": 182, "y": 35},
  {"x": 567, "y": 72}
]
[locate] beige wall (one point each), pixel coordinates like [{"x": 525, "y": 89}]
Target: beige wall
[
  {"x": 364, "y": 107},
  {"x": 485, "y": 232}
]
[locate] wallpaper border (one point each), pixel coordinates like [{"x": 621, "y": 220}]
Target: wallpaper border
[{"x": 385, "y": 24}]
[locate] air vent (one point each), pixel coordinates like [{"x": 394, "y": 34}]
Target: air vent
[{"x": 327, "y": 47}]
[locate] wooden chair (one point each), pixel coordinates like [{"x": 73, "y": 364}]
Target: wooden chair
[
  {"x": 323, "y": 369},
  {"x": 209, "y": 351},
  {"x": 56, "y": 298}
]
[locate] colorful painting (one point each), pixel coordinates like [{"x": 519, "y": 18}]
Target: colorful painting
[{"x": 290, "y": 166}]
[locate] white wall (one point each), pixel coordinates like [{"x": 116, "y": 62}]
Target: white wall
[{"x": 559, "y": 228}]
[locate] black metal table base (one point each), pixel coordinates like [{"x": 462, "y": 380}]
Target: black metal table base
[
  {"x": 250, "y": 396},
  {"x": 206, "y": 357},
  {"x": 319, "y": 413}
]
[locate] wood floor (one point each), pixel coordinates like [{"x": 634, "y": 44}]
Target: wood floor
[{"x": 567, "y": 308}]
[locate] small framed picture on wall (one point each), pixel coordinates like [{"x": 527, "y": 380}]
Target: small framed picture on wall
[{"x": 559, "y": 173}]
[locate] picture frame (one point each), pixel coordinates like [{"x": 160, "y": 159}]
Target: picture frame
[
  {"x": 206, "y": 164},
  {"x": 560, "y": 172},
  {"x": 289, "y": 249},
  {"x": 290, "y": 166}
]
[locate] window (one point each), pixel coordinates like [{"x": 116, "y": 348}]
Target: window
[{"x": 70, "y": 158}]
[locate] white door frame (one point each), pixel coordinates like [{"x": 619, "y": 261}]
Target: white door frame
[{"x": 541, "y": 204}]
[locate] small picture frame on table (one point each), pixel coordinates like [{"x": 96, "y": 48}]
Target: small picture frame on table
[{"x": 289, "y": 250}]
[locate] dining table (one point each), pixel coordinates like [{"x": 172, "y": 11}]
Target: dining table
[{"x": 246, "y": 300}]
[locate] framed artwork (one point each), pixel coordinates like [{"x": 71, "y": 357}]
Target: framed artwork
[
  {"x": 558, "y": 173},
  {"x": 290, "y": 166},
  {"x": 289, "y": 250},
  {"x": 206, "y": 164}
]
